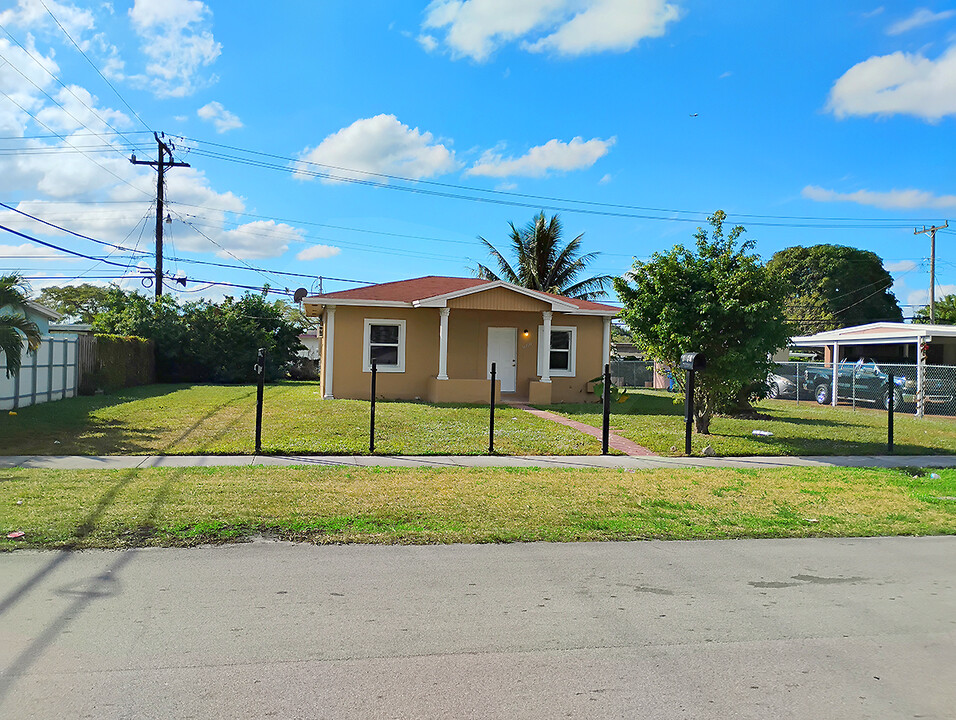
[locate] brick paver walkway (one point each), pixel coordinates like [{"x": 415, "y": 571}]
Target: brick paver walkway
[{"x": 615, "y": 442}]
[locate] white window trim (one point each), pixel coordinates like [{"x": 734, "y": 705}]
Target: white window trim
[
  {"x": 544, "y": 352},
  {"x": 366, "y": 345}
]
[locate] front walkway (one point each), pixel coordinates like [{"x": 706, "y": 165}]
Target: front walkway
[{"x": 614, "y": 441}]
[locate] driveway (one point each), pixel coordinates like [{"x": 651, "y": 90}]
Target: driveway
[{"x": 859, "y": 628}]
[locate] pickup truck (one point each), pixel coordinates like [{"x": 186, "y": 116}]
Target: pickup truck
[{"x": 863, "y": 380}]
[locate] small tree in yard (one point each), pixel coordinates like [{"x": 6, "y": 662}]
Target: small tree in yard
[{"x": 719, "y": 300}]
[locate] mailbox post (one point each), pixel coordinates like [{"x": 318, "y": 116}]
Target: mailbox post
[{"x": 691, "y": 362}]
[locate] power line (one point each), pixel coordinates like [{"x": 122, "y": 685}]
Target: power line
[
  {"x": 63, "y": 229},
  {"x": 57, "y": 247},
  {"x": 61, "y": 83},
  {"x": 111, "y": 86},
  {"x": 38, "y": 121},
  {"x": 497, "y": 196}
]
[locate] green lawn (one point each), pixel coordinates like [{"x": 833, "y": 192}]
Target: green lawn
[
  {"x": 655, "y": 419},
  {"x": 73, "y": 509},
  {"x": 220, "y": 420}
]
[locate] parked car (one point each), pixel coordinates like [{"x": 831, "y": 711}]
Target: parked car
[
  {"x": 781, "y": 386},
  {"x": 865, "y": 381}
]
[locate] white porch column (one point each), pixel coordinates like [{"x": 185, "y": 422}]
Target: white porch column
[
  {"x": 546, "y": 350},
  {"x": 329, "y": 351},
  {"x": 443, "y": 345},
  {"x": 606, "y": 354},
  {"x": 835, "y": 388}
]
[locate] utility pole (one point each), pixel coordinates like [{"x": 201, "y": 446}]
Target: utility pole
[
  {"x": 160, "y": 164},
  {"x": 932, "y": 266}
]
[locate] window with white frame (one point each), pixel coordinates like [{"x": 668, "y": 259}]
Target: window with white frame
[
  {"x": 560, "y": 352},
  {"x": 384, "y": 342}
]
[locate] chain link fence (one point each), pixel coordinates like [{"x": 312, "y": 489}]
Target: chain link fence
[
  {"x": 632, "y": 373},
  {"x": 865, "y": 384}
]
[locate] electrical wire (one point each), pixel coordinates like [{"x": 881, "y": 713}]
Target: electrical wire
[
  {"x": 92, "y": 65},
  {"x": 60, "y": 82},
  {"x": 298, "y": 162}
]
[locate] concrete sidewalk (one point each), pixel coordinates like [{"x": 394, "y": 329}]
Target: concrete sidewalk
[{"x": 120, "y": 462}]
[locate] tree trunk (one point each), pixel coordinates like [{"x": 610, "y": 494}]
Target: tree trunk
[{"x": 702, "y": 414}]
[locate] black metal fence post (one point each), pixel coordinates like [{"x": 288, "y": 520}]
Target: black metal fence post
[
  {"x": 261, "y": 372},
  {"x": 491, "y": 419},
  {"x": 890, "y": 402},
  {"x": 606, "y": 421},
  {"x": 371, "y": 429}
]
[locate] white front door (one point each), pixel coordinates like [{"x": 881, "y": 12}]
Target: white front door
[{"x": 503, "y": 351}]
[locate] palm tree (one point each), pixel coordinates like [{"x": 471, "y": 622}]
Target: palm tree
[
  {"x": 542, "y": 264},
  {"x": 13, "y": 325}
]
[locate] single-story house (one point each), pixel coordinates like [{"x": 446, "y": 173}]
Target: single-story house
[
  {"x": 435, "y": 338},
  {"x": 41, "y": 315},
  {"x": 886, "y": 342}
]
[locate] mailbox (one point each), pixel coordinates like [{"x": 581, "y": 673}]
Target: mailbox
[{"x": 693, "y": 361}]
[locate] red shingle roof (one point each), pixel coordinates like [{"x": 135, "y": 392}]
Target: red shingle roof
[{"x": 430, "y": 286}]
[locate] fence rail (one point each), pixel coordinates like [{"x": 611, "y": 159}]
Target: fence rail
[
  {"x": 864, "y": 384},
  {"x": 49, "y": 374}
]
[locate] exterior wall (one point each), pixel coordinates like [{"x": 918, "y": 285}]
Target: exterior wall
[
  {"x": 467, "y": 354},
  {"x": 421, "y": 353},
  {"x": 462, "y": 391},
  {"x": 498, "y": 299}
]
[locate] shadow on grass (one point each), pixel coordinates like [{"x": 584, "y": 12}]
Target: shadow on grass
[{"x": 70, "y": 427}]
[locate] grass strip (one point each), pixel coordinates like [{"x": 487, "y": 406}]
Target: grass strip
[{"x": 73, "y": 509}]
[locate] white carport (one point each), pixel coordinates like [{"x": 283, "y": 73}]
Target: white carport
[{"x": 942, "y": 339}]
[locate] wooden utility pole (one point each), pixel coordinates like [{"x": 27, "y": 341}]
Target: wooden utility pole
[
  {"x": 160, "y": 164},
  {"x": 932, "y": 265}
]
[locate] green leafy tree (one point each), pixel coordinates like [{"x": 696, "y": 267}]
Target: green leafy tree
[
  {"x": 207, "y": 342},
  {"x": 832, "y": 286},
  {"x": 717, "y": 299},
  {"x": 14, "y": 326},
  {"x": 945, "y": 312},
  {"x": 542, "y": 263},
  {"x": 79, "y": 303}
]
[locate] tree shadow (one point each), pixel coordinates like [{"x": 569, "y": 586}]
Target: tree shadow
[{"x": 70, "y": 427}]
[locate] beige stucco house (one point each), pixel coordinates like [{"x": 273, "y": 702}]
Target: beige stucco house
[{"x": 434, "y": 338}]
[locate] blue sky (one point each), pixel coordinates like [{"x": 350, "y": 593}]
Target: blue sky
[{"x": 374, "y": 141}]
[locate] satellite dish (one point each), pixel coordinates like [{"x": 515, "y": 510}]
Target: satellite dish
[{"x": 299, "y": 294}]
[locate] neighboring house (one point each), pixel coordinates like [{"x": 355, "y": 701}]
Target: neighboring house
[
  {"x": 435, "y": 338},
  {"x": 41, "y": 315},
  {"x": 886, "y": 342}
]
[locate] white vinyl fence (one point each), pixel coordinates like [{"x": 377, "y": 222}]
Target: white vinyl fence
[{"x": 49, "y": 374}]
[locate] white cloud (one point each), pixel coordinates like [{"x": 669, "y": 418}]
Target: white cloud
[
  {"x": 215, "y": 113},
  {"x": 874, "y": 12},
  {"x": 428, "y": 42},
  {"x": 554, "y": 155},
  {"x": 259, "y": 239},
  {"x": 921, "y": 17},
  {"x": 381, "y": 145},
  {"x": 891, "y": 200},
  {"x": 36, "y": 252},
  {"x": 615, "y": 25},
  {"x": 32, "y": 15},
  {"x": 921, "y": 297},
  {"x": 900, "y": 83},
  {"x": 318, "y": 252},
  {"x": 606, "y": 179},
  {"x": 177, "y": 43},
  {"x": 903, "y": 266},
  {"x": 476, "y": 28}
]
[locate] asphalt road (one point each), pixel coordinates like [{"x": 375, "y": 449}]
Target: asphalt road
[{"x": 861, "y": 628}]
